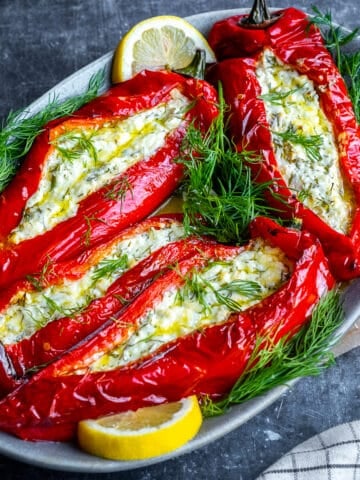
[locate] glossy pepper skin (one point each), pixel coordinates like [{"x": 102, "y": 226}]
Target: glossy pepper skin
[
  {"x": 299, "y": 44},
  {"x": 206, "y": 362},
  {"x": 56, "y": 337},
  {"x": 149, "y": 182}
]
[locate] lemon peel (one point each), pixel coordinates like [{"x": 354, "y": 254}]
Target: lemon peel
[
  {"x": 141, "y": 434},
  {"x": 163, "y": 42}
]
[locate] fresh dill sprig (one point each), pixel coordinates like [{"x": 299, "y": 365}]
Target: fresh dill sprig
[
  {"x": 220, "y": 198},
  {"x": 350, "y": 70},
  {"x": 335, "y": 36},
  {"x": 194, "y": 288},
  {"x": 35, "y": 282},
  {"x": 303, "y": 194},
  {"x": 19, "y": 130},
  {"x": 86, "y": 237},
  {"x": 276, "y": 97},
  {"x": 246, "y": 288},
  {"x": 306, "y": 353},
  {"x": 118, "y": 190},
  {"x": 109, "y": 266},
  {"x": 79, "y": 143},
  {"x": 197, "y": 287},
  {"x": 38, "y": 280},
  {"x": 351, "y": 73},
  {"x": 348, "y": 63},
  {"x": 55, "y": 307},
  {"x": 310, "y": 143}
]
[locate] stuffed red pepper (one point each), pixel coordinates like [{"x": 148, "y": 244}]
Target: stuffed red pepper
[
  {"x": 107, "y": 166},
  {"x": 192, "y": 331},
  {"x": 45, "y": 315},
  {"x": 289, "y": 107}
]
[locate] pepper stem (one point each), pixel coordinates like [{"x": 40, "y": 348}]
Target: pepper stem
[
  {"x": 196, "y": 67},
  {"x": 260, "y": 16},
  {"x": 259, "y": 13}
]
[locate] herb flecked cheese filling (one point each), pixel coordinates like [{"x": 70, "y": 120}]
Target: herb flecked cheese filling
[
  {"x": 87, "y": 159},
  {"x": 31, "y": 310},
  {"x": 304, "y": 143},
  {"x": 208, "y": 297}
]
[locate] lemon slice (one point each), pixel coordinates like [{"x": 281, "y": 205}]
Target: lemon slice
[
  {"x": 144, "y": 433},
  {"x": 156, "y": 43}
]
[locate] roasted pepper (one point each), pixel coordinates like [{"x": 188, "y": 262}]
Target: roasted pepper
[
  {"x": 290, "y": 110},
  {"x": 44, "y": 316},
  {"x": 217, "y": 304},
  {"x": 106, "y": 167}
]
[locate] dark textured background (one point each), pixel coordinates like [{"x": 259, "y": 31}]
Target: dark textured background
[{"x": 43, "y": 41}]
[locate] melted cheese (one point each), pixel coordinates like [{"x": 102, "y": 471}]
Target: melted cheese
[
  {"x": 31, "y": 310},
  {"x": 182, "y": 311},
  {"x": 84, "y": 160},
  {"x": 292, "y": 104}
]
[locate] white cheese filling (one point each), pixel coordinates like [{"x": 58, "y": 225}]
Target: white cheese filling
[
  {"x": 304, "y": 143},
  {"x": 31, "y": 310},
  {"x": 84, "y": 160},
  {"x": 208, "y": 298}
]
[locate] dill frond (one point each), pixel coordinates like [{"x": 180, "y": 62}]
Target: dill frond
[
  {"x": 311, "y": 144},
  {"x": 19, "y": 130},
  {"x": 348, "y": 63},
  {"x": 220, "y": 198},
  {"x": 107, "y": 267},
  {"x": 78, "y": 142},
  {"x": 307, "y": 353},
  {"x": 277, "y": 97}
]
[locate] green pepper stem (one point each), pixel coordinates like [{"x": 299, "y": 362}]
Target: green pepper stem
[
  {"x": 259, "y": 13},
  {"x": 196, "y": 67},
  {"x": 260, "y": 16}
]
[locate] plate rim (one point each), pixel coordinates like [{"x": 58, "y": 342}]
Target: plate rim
[{"x": 213, "y": 428}]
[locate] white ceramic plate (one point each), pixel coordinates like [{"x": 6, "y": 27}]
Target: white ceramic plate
[{"x": 66, "y": 456}]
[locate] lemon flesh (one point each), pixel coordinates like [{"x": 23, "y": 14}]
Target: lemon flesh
[
  {"x": 164, "y": 42},
  {"x": 141, "y": 434}
]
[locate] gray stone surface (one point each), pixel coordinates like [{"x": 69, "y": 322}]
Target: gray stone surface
[{"x": 43, "y": 41}]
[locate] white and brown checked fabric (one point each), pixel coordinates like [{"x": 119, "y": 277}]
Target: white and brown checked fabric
[{"x": 330, "y": 455}]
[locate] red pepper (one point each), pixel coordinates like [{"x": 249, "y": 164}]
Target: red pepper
[
  {"x": 296, "y": 43},
  {"x": 206, "y": 362},
  {"x": 106, "y": 211},
  {"x": 56, "y": 337}
]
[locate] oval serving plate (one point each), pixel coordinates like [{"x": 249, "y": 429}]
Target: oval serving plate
[{"x": 67, "y": 456}]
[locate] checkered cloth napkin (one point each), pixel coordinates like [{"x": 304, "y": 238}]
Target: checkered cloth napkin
[{"x": 330, "y": 455}]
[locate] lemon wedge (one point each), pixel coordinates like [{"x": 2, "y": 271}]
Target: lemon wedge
[
  {"x": 156, "y": 43},
  {"x": 144, "y": 433}
]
